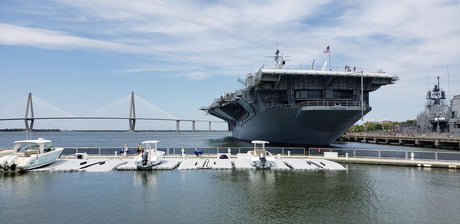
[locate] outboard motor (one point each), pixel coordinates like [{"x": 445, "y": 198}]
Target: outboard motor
[
  {"x": 3, "y": 162},
  {"x": 263, "y": 160},
  {"x": 145, "y": 157},
  {"x": 9, "y": 164},
  {"x": 5, "y": 166},
  {"x": 13, "y": 167}
]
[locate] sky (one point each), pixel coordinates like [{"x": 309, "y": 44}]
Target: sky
[{"x": 82, "y": 58}]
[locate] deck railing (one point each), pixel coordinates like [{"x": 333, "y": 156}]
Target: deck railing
[
  {"x": 329, "y": 103},
  {"x": 282, "y": 151}
]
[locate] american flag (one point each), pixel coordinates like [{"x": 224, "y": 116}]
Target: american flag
[{"x": 327, "y": 50}]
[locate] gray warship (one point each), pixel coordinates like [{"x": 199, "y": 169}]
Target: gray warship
[
  {"x": 296, "y": 106},
  {"x": 435, "y": 117}
]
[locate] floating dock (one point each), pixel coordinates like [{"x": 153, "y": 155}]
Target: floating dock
[
  {"x": 80, "y": 165},
  {"x": 312, "y": 164},
  {"x": 110, "y": 163},
  {"x": 400, "y": 162},
  {"x": 166, "y": 164},
  {"x": 127, "y": 164}
]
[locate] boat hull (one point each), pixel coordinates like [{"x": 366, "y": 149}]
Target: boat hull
[
  {"x": 15, "y": 163},
  {"x": 262, "y": 165},
  {"x": 153, "y": 161},
  {"x": 298, "y": 126},
  {"x": 141, "y": 165}
]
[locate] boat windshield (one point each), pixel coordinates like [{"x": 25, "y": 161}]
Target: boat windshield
[
  {"x": 149, "y": 146},
  {"x": 23, "y": 147},
  {"x": 48, "y": 147}
]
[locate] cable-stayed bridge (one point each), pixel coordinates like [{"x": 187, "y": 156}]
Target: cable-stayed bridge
[{"x": 30, "y": 118}]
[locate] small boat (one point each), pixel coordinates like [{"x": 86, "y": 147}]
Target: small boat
[
  {"x": 150, "y": 156},
  {"x": 259, "y": 157},
  {"x": 5, "y": 152},
  {"x": 30, "y": 154}
]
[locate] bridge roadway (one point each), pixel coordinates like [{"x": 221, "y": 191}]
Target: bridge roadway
[
  {"x": 116, "y": 118},
  {"x": 421, "y": 141}
]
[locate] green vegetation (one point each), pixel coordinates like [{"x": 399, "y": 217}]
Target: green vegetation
[{"x": 379, "y": 126}]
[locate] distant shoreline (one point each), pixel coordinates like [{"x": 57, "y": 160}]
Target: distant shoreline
[{"x": 59, "y": 130}]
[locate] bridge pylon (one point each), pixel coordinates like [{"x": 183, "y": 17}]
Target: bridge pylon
[
  {"x": 132, "y": 115},
  {"x": 29, "y": 121}
]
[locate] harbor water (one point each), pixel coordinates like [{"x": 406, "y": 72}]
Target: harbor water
[{"x": 361, "y": 194}]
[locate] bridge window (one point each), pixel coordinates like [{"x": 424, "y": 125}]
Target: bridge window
[
  {"x": 343, "y": 94},
  {"x": 309, "y": 94}
]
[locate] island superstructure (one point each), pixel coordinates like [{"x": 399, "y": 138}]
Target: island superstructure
[
  {"x": 296, "y": 106},
  {"x": 439, "y": 116}
]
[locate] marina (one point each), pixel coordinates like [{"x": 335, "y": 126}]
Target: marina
[
  {"x": 104, "y": 165},
  {"x": 215, "y": 156},
  {"x": 91, "y": 174},
  {"x": 361, "y": 194},
  {"x": 240, "y": 162},
  {"x": 114, "y": 164}
]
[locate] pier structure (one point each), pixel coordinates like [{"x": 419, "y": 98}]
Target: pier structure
[
  {"x": 420, "y": 141},
  {"x": 93, "y": 159},
  {"x": 98, "y": 159},
  {"x": 313, "y": 162},
  {"x": 29, "y": 118}
]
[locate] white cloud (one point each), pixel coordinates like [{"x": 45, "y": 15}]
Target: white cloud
[
  {"x": 42, "y": 38},
  {"x": 197, "y": 75}
]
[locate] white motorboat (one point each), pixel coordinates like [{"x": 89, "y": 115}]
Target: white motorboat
[
  {"x": 5, "y": 152},
  {"x": 259, "y": 157},
  {"x": 30, "y": 154},
  {"x": 150, "y": 156}
]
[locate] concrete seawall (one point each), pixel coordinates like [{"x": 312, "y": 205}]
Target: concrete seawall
[
  {"x": 397, "y": 162},
  {"x": 419, "y": 141}
]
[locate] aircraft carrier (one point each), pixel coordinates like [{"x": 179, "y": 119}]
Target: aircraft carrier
[{"x": 297, "y": 107}]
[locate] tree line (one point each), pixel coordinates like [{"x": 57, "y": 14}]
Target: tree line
[{"x": 380, "y": 126}]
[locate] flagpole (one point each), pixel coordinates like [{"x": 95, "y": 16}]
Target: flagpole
[
  {"x": 362, "y": 95},
  {"x": 328, "y": 51}
]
